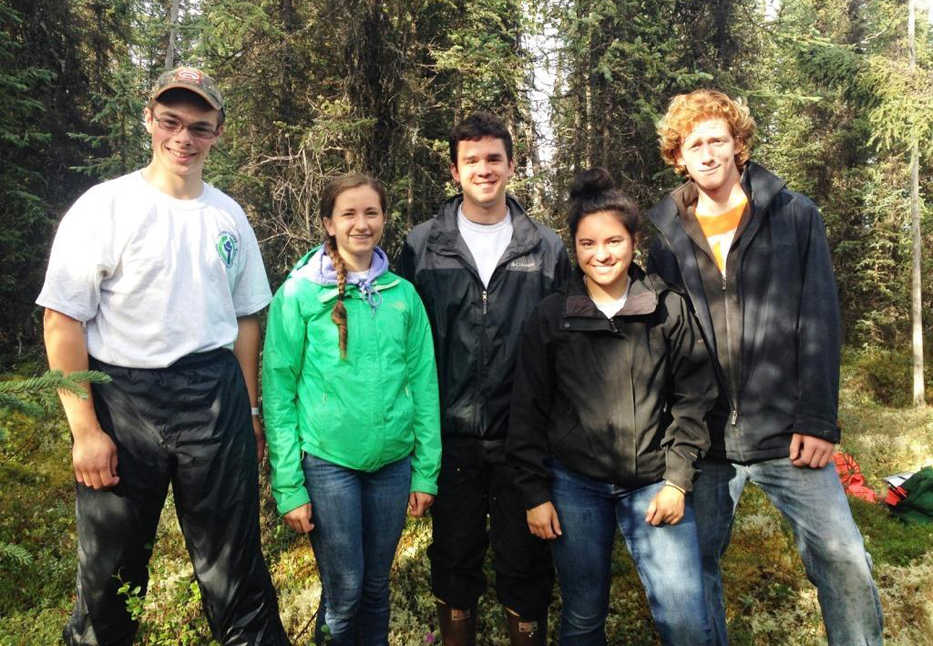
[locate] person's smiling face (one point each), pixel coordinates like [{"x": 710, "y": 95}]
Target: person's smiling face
[
  {"x": 604, "y": 249},
  {"x": 356, "y": 224},
  {"x": 483, "y": 170},
  {"x": 181, "y": 153}
]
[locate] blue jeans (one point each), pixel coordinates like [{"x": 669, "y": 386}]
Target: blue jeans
[
  {"x": 667, "y": 558},
  {"x": 358, "y": 519},
  {"x": 813, "y": 502}
]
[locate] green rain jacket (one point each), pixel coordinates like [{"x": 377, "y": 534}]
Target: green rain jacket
[{"x": 374, "y": 407}]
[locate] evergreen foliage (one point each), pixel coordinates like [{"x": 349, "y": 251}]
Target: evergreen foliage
[
  {"x": 620, "y": 63},
  {"x": 315, "y": 88},
  {"x": 15, "y": 394},
  {"x": 837, "y": 120},
  {"x": 15, "y": 554},
  {"x": 22, "y": 214}
]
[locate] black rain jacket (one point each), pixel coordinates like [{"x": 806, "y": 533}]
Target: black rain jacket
[
  {"x": 619, "y": 400},
  {"x": 476, "y": 328},
  {"x": 781, "y": 327}
]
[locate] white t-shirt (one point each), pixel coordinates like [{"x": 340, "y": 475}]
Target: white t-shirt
[
  {"x": 154, "y": 278},
  {"x": 612, "y": 308},
  {"x": 487, "y": 242}
]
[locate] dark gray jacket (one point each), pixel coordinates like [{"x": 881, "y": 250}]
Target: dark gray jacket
[
  {"x": 476, "y": 329},
  {"x": 619, "y": 400},
  {"x": 780, "y": 327}
]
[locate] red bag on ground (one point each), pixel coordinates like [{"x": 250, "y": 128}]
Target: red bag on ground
[
  {"x": 850, "y": 474},
  {"x": 895, "y": 496}
]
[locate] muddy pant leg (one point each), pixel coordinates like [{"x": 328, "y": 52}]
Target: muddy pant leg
[
  {"x": 831, "y": 546},
  {"x": 116, "y": 528},
  {"x": 459, "y": 526},
  {"x": 523, "y": 564},
  {"x": 217, "y": 499}
]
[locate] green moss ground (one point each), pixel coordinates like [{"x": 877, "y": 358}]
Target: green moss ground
[{"x": 769, "y": 600}]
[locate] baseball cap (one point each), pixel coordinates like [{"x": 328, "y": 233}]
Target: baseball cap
[{"x": 189, "y": 78}]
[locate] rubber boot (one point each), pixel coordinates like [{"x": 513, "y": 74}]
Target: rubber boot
[
  {"x": 458, "y": 627},
  {"x": 523, "y": 632}
]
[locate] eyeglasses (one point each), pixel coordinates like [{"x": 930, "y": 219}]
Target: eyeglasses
[{"x": 174, "y": 126}]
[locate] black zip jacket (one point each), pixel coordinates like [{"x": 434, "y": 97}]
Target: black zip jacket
[
  {"x": 778, "y": 325},
  {"x": 476, "y": 328},
  {"x": 620, "y": 400}
]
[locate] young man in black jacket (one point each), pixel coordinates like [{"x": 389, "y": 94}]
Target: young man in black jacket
[
  {"x": 481, "y": 265},
  {"x": 754, "y": 260}
]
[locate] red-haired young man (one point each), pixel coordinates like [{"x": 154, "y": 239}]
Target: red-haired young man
[{"x": 753, "y": 257}]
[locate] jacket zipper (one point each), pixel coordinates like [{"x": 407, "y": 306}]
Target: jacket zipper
[
  {"x": 734, "y": 395},
  {"x": 484, "y": 302},
  {"x": 733, "y": 399}
]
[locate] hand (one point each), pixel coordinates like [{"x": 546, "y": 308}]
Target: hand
[
  {"x": 667, "y": 507},
  {"x": 94, "y": 457},
  {"x": 543, "y": 521},
  {"x": 260, "y": 434},
  {"x": 418, "y": 503},
  {"x": 299, "y": 519},
  {"x": 810, "y": 451}
]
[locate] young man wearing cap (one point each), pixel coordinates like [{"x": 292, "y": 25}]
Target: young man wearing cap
[
  {"x": 155, "y": 278},
  {"x": 753, "y": 258},
  {"x": 481, "y": 266}
]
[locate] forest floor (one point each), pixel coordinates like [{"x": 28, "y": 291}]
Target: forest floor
[{"x": 769, "y": 600}]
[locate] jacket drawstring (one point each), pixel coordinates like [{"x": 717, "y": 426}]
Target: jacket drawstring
[{"x": 370, "y": 295}]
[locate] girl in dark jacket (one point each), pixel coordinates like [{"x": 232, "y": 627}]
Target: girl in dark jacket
[{"x": 611, "y": 387}]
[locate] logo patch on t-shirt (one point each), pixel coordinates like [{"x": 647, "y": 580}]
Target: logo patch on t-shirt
[{"x": 227, "y": 247}]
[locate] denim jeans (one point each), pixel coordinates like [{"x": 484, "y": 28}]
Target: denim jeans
[
  {"x": 667, "y": 558},
  {"x": 813, "y": 502},
  {"x": 358, "y": 519}
]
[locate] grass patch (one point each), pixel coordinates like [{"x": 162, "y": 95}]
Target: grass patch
[{"x": 769, "y": 600}]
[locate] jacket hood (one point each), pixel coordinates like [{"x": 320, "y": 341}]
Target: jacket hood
[
  {"x": 317, "y": 267},
  {"x": 758, "y": 183},
  {"x": 445, "y": 236}
]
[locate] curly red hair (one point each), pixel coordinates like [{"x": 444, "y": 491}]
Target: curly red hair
[{"x": 686, "y": 110}]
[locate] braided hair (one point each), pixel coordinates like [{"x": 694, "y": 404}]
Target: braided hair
[
  {"x": 328, "y": 197},
  {"x": 339, "y": 314}
]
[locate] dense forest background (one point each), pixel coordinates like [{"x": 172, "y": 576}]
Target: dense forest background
[
  {"x": 318, "y": 87},
  {"x": 315, "y": 88}
]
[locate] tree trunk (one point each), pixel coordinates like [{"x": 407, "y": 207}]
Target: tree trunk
[
  {"x": 172, "y": 34},
  {"x": 916, "y": 293}
]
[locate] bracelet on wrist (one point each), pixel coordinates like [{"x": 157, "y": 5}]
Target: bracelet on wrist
[{"x": 668, "y": 483}]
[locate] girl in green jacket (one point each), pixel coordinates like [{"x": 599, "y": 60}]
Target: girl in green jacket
[{"x": 351, "y": 409}]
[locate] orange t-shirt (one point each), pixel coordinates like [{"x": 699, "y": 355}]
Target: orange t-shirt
[{"x": 719, "y": 231}]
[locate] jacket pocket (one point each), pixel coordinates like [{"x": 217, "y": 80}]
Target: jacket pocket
[{"x": 572, "y": 445}]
